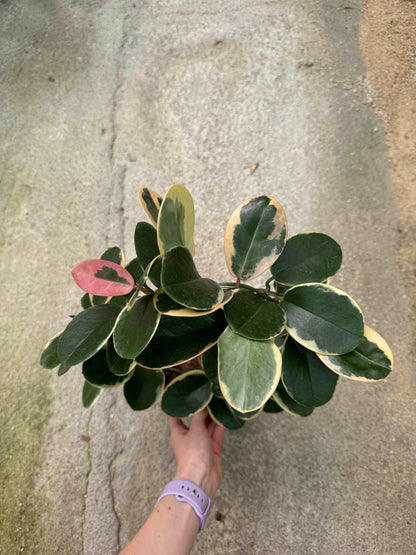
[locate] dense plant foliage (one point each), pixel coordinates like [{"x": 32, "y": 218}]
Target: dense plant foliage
[{"x": 157, "y": 327}]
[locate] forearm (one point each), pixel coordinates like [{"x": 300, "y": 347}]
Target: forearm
[{"x": 171, "y": 528}]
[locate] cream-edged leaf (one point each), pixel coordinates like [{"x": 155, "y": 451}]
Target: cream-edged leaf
[
  {"x": 254, "y": 237},
  {"x": 371, "y": 360}
]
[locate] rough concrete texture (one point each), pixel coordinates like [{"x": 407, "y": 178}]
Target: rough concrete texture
[{"x": 100, "y": 97}]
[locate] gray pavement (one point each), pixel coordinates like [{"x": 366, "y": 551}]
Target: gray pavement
[{"x": 98, "y": 98}]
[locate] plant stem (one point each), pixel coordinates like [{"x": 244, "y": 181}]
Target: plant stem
[
  {"x": 146, "y": 289},
  {"x": 268, "y": 282}
]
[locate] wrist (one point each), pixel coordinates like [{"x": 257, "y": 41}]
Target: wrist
[{"x": 196, "y": 473}]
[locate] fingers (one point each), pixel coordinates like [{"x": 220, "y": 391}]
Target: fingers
[
  {"x": 217, "y": 437},
  {"x": 200, "y": 419},
  {"x": 211, "y": 427},
  {"x": 176, "y": 425}
]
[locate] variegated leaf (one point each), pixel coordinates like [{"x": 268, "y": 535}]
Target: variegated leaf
[
  {"x": 178, "y": 340},
  {"x": 323, "y": 318},
  {"x": 96, "y": 371},
  {"x": 50, "y": 358},
  {"x": 187, "y": 394},
  {"x": 249, "y": 371},
  {"x": 307, "y": 258},
  {"x": 90, "y": 394},
  {"x": 371, "y": 359},
  {"x": 143, "y": 388},
  {"x": 254, "y": 237},
  {"x": 285, "y": 401},
  {"x": 165, "y": 305},
  {"x": 182, "y": 282},
  {"x": 87, "y": 333},
  {"x": 113, "y": 254},
  {"x": 135, "y": 327},
  {"x": 254, "y": 317},
  {"x": 175, "y": 225},
  {"x": 151, "y": 203},
  {"x": 307, "y": 380},
  {"x": 103, "y": 278},
  {"x": 223, "y": 415}
]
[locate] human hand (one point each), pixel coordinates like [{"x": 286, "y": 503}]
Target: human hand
[{"x": 198, "y": 451}]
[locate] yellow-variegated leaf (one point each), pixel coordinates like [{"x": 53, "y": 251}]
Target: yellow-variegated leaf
[
  {"x": 254, "y": 237},
  {"x": 371, "y": 359},
  {"x": 175, "y": 224},
  {"x": 249, "y": 371},
  {"x": 187, "y": 394},
  {"x": 323, "y": 318},
  {"x": 165, "y": 305},
  {"x": 151, "y": 203}
]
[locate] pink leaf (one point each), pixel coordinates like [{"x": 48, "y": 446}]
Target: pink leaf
[{"x": 101, "y": 277}]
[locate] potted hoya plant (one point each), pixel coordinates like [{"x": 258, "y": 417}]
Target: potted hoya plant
[{"x": 158, "y": 328}]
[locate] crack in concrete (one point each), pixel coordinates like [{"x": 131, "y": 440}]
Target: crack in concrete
[
  {"x": 111, "y": 471},
  {"x": 118, "y": 451},
  {"x": 122, "y": 191},
  {"x": 87, "y": 482},
  {"x": 116, "y": 178},
  {"x": 116, "y": 91}
]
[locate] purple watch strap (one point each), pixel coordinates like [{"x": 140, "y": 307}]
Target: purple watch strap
[{"x": 188, "y": 492}]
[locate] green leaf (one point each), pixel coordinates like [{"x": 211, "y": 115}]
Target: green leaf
[
  {"x": 90, "y": 394},
  {"x": 271, "y": 406},
  {"x": 221, "y": 413},
  {"x": 135, "y": 327},
  {"x": 154, "y": 270},
  {"x": 63, "y": 369},
  {"x": 307, "y": 380},
  {"x": 254, "y": 237},
  {"x": 117, "y": 365},
  {"x": 87, "y": 333},
  {"x": 187, "y": 394},
  {"x": 253, "y": 316},
  {"x": 181, "y": 281},
  {"x": 280, "y": 340},
  {"x": 248, "y": 415},
  {"x": 248, "y": 370},
  {"x": 113, "y": 254},
  {"x": 151, "y": 203},
  {"x": 306, "y": 258},
  {"x": 97, "y": 372},
  {"x": 165, "y": 305},
  {"x": 145, "y": 242},
  {"x": 49, "y": 357},
  {"x": 322, "y": 318},
  {"x": 175, "y": 225},
  {"x": 370, "y": 360},
  {"x": 97, "y": 299},
  {"x": 210, "y": 367},
  {"x": 143, "y": 388},
  {"x": 135, "y": 269},
  {"x": 86, "y": 301},
  {"x": 118, "y": 301},
  {"x": 282, "y": 398},
  {"x": 178, "y": 340}
]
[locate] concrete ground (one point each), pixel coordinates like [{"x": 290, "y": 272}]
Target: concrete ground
[{"x": 100, "y": 97}]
